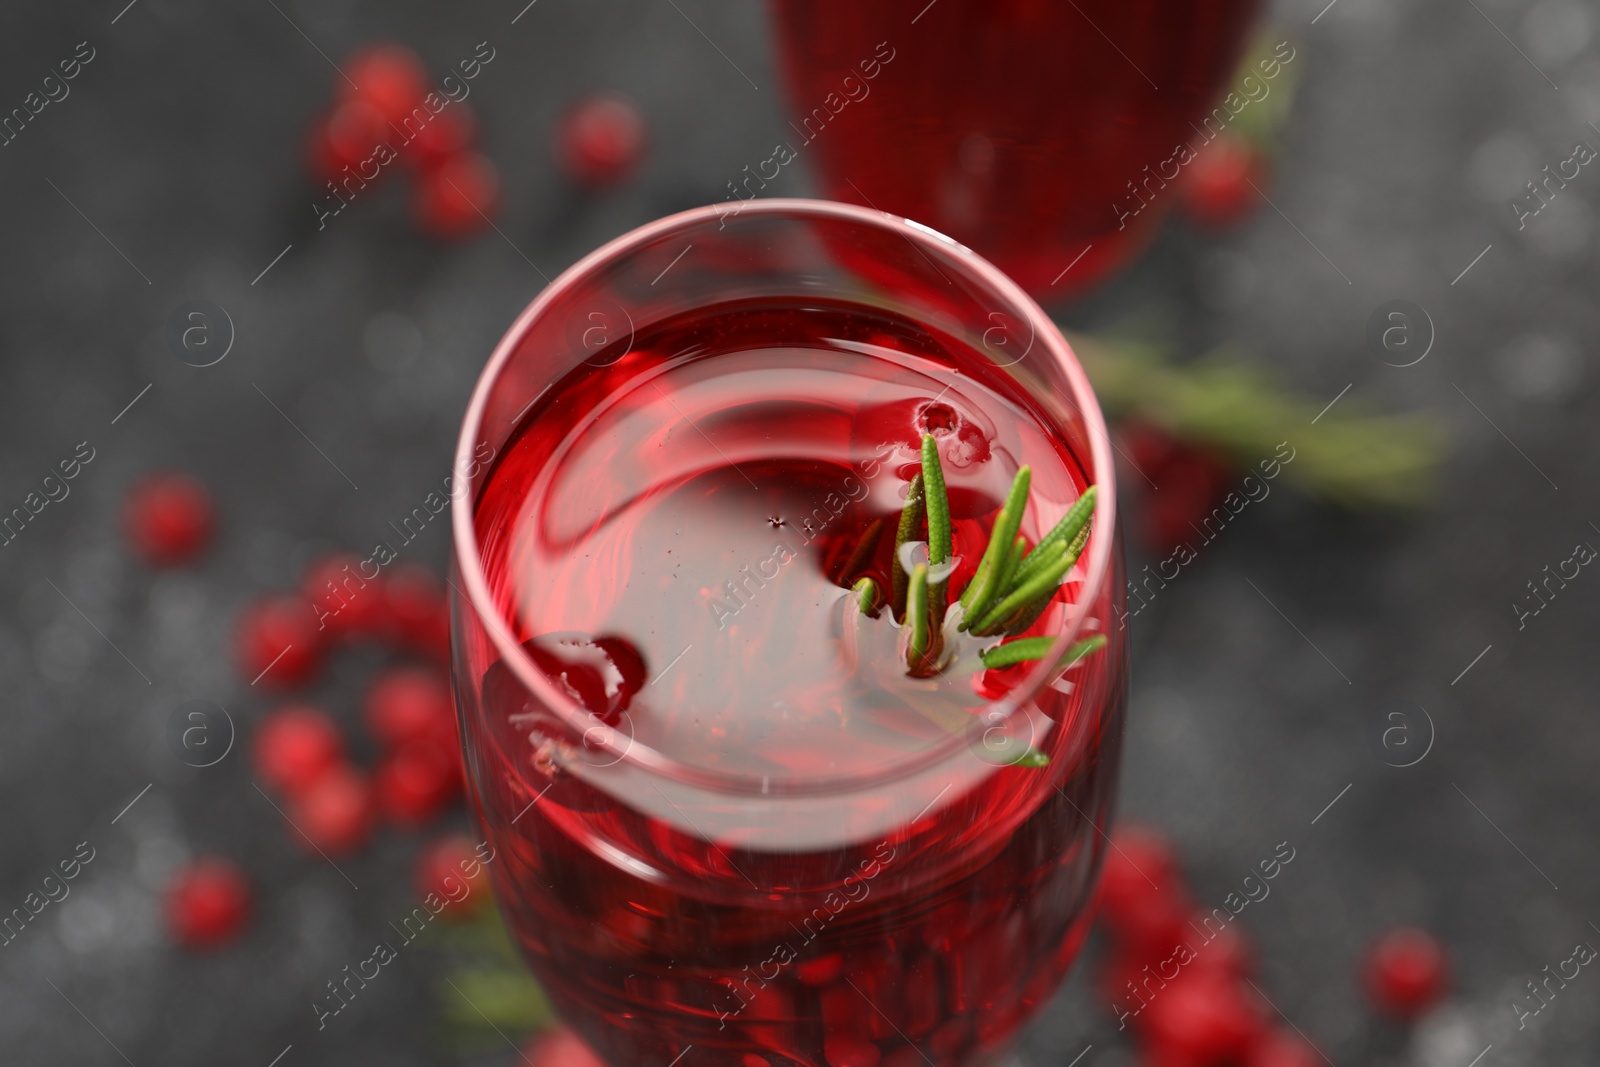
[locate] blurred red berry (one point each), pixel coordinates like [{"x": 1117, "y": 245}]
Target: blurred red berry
[
  {"x": 1210, "y": 1020},
  {"x": 1141, "y": 859},
  {"x": 293, "y": 746},
  {"x": 442, "y": 868},
  {"x": 1226, "y": 954},
  {"x": 169, "y": 518},
  {"x": 350, "y": 137},
  {"x": 560, "y": 1047},
  {"x": 457, "y": 198},
  {"x": 1180, "y": 484},
  {"x": 207, "y": 903},
  {"x": 1141, "y": 894},
  {"x": 413, "y": 784},
  {"x": 344, "y": 601},
  {"x": 1217, "y": 188},
  {"x": 334, "y": 813},
  {"x": 1282, "y": 1048},
  {"x": 444, "y": 136},
  {"x": 407, "y": 704},
  {"x": 600, "y": 139},
  {"x": 388, "y": 76},
  {"x": 417, "y": 606},
  {"x": 1406, "y": 972},
  {"x": 844, "y": 1050},
  {"x": 276, "y": 642}
]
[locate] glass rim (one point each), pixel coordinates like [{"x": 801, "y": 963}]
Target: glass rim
[{"x": 469, "y": 560}]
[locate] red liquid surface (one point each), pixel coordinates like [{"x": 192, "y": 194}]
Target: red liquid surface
[
  {"x": 672, "y": 533},
  {"x": 1014, "y": 126}
]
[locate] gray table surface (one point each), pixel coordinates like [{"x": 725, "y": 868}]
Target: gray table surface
[{"x": 173, "y": 171}]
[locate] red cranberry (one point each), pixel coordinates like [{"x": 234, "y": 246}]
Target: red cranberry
[
  {"x": 1140, "y": 861},
  {"x": 1228, "y": 952},
  {"x": 294, "y": 745},
  {"x": 413, "y": 784},
  {"x": 345, "y": 602},
  {"x": 277, "y": 643},
  {"x": 1189, "y": 482},
  {"x": 443, "y": 865},
  {"x": 1211, "y": 1019},
  {"x": 560, "y": 1047},
  {"x": 350, "y": 137},
  {"x": 407, "y": 704},
  {"x": 1406, "y": 972},
  {"x": 843, "y": 1050},
  {"x": 169, "y": 518},
  {"x": 1283, "y": 1048},
  {"x": 1216, "y": 189},
  {"x": 390, "y": 77},
  {"x": 335, "y": 811},
  {"x": 600, "y": 139},
  {"x": 207, "y": 903},
  {"x": 457, "y": 198},
  {"x": 824, "y": 970},
  {"x": 418, "y": 612},
  {"x": 444, "y": 136}
]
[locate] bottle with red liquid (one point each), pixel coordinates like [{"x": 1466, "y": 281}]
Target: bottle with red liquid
[
  {"x": 730, "y": 827},
  {"x": 1042, "y": 133}
]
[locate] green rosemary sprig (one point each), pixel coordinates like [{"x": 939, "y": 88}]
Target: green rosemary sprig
[{"x": 1011, "y": 587}]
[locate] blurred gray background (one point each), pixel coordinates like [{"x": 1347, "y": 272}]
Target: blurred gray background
[{"x": 174, "y": 171}]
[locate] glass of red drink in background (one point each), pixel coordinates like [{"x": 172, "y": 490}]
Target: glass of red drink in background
[
  {"x": 1030, "y": 130},
  {"x": 730, "y": 829}
]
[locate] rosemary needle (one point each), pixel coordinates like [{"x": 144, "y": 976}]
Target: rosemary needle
[
  {"x": 868, "y": 589},
  {"x": 917, "y": 618},
  {"x": 938, "y": 505},
  {"x": 910, "y": 520},
  {"x": 1034, "y": 648},
  {"x": 986, "y": 583}
]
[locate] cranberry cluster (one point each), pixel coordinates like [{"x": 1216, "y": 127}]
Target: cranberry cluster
[
  {"x": 298, "y": 750},
  {"x": 1184, "y": 986},
  {"x": 378, "y": 117},
  {"x": 375, "y": 117}
]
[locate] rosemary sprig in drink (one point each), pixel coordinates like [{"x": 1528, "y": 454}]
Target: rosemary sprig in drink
[{"x": 1012, "y": 587}]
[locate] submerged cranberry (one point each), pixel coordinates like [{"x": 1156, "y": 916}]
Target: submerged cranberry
[{"x": 601, "y": 674}]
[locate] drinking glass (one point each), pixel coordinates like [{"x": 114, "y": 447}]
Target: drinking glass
[
  {"x": 866, "y": 904},
  {"x": 1042, "y": 133}
]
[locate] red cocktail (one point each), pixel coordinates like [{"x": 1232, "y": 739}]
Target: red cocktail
[
  {"x": 1035, "y": 131},
  {"x": 732, "y": 826}
]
